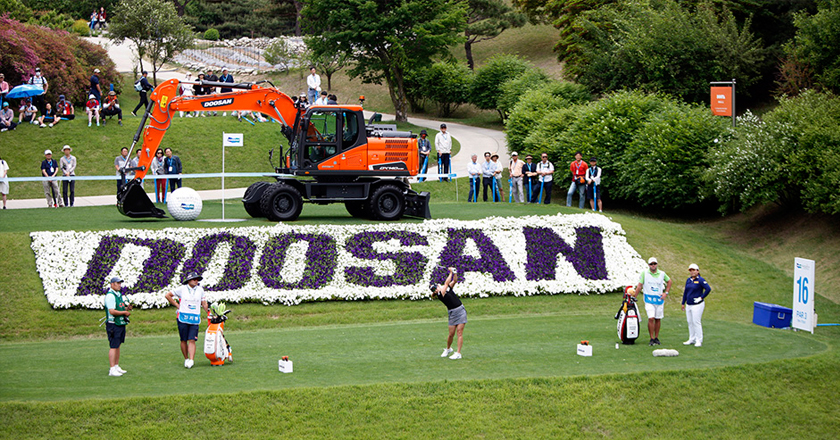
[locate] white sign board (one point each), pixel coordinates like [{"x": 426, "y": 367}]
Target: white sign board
[
  {"x": 803, "y": 295},
  {"x": 233, "y": 139}
]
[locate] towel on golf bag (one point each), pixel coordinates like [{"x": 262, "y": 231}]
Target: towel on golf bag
[{"x": 666, "y": 352}]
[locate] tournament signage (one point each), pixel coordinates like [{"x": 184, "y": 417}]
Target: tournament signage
[
  {"x": 722, "y": 98},
  {"x": 288, "y": 264},
  {"x": 803, "y": 295}
]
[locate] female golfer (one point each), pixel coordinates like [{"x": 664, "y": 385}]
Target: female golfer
[
  {"x": 457, "y": 313},
  {"x": 693, "y": 302}
]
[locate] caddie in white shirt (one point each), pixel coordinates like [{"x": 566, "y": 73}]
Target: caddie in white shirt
[
  {"x": 190, "y": 301},
  {"x": 656, "y": 285}
]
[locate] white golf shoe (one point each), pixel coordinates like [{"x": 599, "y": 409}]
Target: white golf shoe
[
  {"x": 698, "y": 344},
  {"x": 119, "y": 368},
  {"x": 455, "y": 356},
  {"x": 114, "y": 372},
  {"x": 188, "y": 363},
  {"x": 689, "y": 342},
  {"x": 446, "y": 352}
]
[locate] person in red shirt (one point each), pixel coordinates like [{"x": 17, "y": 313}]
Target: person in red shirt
[
  {"x": 578, "y": 169},
  {"x": 64, "y": 110},
  {"x": 92, "y": 109}
]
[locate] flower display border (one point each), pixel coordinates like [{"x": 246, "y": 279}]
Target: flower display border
[{"x": 289, "y": 264}]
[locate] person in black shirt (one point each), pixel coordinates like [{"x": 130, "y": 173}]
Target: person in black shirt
[
  {"x": 144, "y": 98},
  {"x": 457, "y": 313}
]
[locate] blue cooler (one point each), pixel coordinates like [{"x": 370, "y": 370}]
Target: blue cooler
[{"x": 771, "y": 315}]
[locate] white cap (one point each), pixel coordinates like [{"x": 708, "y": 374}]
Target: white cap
[
  {"x": 514, "y": 154},
  {"x": 66, "y": 147},
  {"x": 92, "y": 96},
  {"x": 95, "y": 70},
  {"x": 652, "y": 260},
  {"x": 46, "y": 152},
  {"x": 693, "y": 266}
]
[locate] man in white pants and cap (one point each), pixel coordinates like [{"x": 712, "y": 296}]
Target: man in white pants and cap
[{"x": 656, "y": 285}]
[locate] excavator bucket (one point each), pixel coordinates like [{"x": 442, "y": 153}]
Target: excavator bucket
[
  {"x": 417, "y": 205},
  {"x": 133, "y": 202}
]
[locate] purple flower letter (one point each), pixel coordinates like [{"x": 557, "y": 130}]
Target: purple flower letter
[
  {"x": 320, "y": 261},
  {"x": 410, "y": 265},
  {"x": 543, "y": 246},
  {"x": 491, "y": 260},
  {"x": 158, "y": 269},
  {"x": 238, "y": 266}
]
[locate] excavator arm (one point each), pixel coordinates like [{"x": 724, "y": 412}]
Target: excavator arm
[{"x": 132, "y": 201}]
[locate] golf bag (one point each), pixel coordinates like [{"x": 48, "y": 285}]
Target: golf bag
[
  {"x": 216, "y": 347},
  {"x": 628, "y": 320}
]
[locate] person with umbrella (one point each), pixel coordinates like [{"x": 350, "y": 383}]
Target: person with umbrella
[{"x": 41, "y": 82}]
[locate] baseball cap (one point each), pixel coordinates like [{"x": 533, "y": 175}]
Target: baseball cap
[
  {"x": 116, "y": 280},
  {"x": 46, "y": 152},
  {"x": 145, "y": 72},
  {"x": 95, "y": 70},
  {"x": 693, "y": 266},
  {"x": 514, "y": 154},
  {"x": 652, "y": 260},
  {"x": 37, "y": 69},
  {"x": 442, "y": 125},
  {"x": 5, "y": 104}
]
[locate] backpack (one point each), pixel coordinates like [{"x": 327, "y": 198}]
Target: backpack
[{"x": 138, "y": 86}]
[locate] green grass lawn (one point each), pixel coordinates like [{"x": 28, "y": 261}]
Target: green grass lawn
[{"x": 372, "y": 368}]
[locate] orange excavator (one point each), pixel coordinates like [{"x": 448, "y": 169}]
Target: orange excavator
[{"x": 333, "y": 156}]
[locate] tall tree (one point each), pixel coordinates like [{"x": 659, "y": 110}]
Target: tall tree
[
  {"x": 155, "y": 29},
  {"x": 386, "y": 38},
  {"x": 324, "y": 57},
  {"x": 486, "y": 19}
]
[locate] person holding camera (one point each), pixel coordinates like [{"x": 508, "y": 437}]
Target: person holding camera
[
  {"x": 578, "y": 169},
  {"x": 457, "y": 313},
  {"x": 118, "y": 309}
]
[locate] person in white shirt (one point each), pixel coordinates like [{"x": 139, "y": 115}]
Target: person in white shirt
[
  {"x": 190, "y": 298},
  {"x": 474, "y": 171},
  {"x": 443, "y": 146},
  {"x": 68, "y": 168},
  {"x": 593, "y": 183},
  {"x": 498, "y": 176},
  {"x": 545, "y": 169},
  {"x": 186, "y": 90},
  {"x": 4, "y": 180},
  {"x": 313, "y": 81},
  {"x": 323, "y": 100}
]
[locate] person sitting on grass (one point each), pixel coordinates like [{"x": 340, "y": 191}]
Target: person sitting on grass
[
  {"x": 111, "y": 107},
  {"x": 47, "y": 117},
  {"x": 7, "y": 118},
  {"x": 64, "y": 110},
  {"x": 92, "y": 109},
  {"x": 28, "y": 112},
  {"x": 457, "y": 313}
]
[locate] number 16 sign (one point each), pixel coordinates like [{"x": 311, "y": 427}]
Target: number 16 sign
[{"x": 803, "y": 295}]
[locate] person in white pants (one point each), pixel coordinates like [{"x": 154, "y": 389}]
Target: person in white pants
[{"x": 694, "y": 303}]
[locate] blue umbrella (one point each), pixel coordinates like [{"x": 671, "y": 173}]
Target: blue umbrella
[{"x": 25, "y": 91}]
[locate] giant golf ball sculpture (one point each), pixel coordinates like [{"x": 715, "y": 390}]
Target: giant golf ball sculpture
[{"x": 184, "y": 204}]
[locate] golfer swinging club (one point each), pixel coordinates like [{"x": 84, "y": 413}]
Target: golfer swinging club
[
  {"x": 457, "y": 313},
  {"x": 190, "y": 297}
]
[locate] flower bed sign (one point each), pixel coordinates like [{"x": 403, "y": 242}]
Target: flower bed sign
[{"x": 288, "y": 264}]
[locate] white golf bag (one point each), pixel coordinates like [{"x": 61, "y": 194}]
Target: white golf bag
[
  {"x": 216, "y": 347},
  {"x": 628, "y": 320}
]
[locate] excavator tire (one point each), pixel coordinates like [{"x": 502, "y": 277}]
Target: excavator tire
[
  {"x": 281, "y": 202},
  {"x": 356, "y": 208},
  {"x": 387, "y": 203},
  {"x": 253, "y": 209}
]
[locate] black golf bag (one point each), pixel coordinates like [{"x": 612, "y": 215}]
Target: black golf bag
[{"x": 628, "y": 320}]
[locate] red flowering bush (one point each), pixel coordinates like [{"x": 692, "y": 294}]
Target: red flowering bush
[{"x": 65, "y": 60}]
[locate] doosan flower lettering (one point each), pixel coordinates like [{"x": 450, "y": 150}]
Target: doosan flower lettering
[{"x": 290, "y": 264}]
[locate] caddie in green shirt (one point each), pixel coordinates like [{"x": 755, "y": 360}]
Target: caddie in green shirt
[{"x": 117, "y": 312}]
